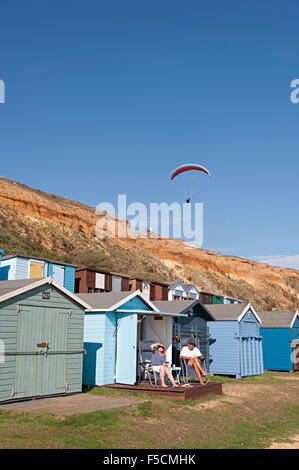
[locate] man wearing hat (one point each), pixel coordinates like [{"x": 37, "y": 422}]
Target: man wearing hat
[{"x": 191, "y": 354}]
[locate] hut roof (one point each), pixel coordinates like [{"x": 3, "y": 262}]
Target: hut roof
[
  {"x": 104, "y": 300},
  {"x": 110, "y": 301},
  {"x": 282, "y": 319},
  {"x": 10, "y": 289},
  {"x": 179, "y": 306},
  {"x": 230, "y": 312}
]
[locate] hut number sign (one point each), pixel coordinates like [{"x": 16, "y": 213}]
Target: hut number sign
[{"x": 46, "y": 295}]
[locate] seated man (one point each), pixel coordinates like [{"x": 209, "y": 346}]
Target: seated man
[
  {"x": 191, "y": 354},
  {"x": 159, "y": 364}
]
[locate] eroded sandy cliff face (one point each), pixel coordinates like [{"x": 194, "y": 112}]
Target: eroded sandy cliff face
[{"x": 68, "y": 228}]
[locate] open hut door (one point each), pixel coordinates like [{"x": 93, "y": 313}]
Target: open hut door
[{"x": 126, "y": 349}]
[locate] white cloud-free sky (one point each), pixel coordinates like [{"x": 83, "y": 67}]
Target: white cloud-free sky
[{"x": 108, "y": 99}]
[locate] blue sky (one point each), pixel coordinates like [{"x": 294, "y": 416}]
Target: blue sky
[{"x": 107, "y": 97}]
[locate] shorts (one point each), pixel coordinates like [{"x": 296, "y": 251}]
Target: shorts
[{"x": 156, "y": 368}]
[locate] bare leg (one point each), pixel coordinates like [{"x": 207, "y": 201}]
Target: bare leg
[
  {"x": 203, "y": 372},
  {"x": 193, "y": 363},
  {"x": 170, "y": 376},
  {"x": 162, "y": 376}
]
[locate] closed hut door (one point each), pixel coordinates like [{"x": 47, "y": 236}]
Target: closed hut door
[
  {"x": 41, "y": 369},
  {"x": 58, "y": 274},
  {"x": 36, "y": 269},
  {"x": 116, "y": 284},
  {"x": 251, "y": 356},
  {"x": 126, "y": 351}
]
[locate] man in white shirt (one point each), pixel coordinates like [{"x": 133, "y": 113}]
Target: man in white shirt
[{"x": 191, "y": 354}]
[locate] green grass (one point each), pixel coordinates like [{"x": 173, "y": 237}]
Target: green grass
[
  {"x": 267, "y": 377},
  {"x": 248, "y": 435},
  {"x": 269, "y": 411}
]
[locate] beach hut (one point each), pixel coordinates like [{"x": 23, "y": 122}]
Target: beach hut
[
  {"x": 176, "y": 290},
  {"x": 236, "y": 343},
  {"x": 114, "y": 325},
  {"x": 93, "y": 281},
  {"x": 30, "y": 267},
  {"x": 41, "y": 332},
  {"x": 280, "y": 332},
  {"x": 206, "y": 298},
  {"x": 158, "y": 291},
  {"x": 192, "y": 291},
  {"x": 193, "y": 325},
  {"x": 139, "y": 284}
]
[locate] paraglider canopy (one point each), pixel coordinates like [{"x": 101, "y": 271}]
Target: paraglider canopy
[
  {"x": 186, "y": 169},
  {"x": 190, "y": 166}
]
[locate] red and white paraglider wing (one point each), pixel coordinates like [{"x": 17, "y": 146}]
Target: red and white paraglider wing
[{"x": 191, "y": 166}]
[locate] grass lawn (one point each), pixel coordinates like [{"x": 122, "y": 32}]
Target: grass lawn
[{"x": 251, "y": 413}]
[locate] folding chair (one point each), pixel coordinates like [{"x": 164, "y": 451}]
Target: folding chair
[
  {"x": 188, "y": 371},
  {"x": 145, "y": 362}
]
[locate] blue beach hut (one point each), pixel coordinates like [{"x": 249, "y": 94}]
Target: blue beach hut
[
  {"x": 280, "y": 331},
  {"x": 18, "y": 266},
  {"x": 235, "y": 344},
  {"x": 115, "y": 323}
]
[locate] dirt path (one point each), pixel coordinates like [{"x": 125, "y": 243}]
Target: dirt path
[
  {"x": 287, "y": 445},
  {"x": 72, "y": 404},
  {"x": 286, "y": 377}
]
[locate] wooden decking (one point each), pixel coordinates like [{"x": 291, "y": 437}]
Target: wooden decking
[{"x": 182, "y": 393}]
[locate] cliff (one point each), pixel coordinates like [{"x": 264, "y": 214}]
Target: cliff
[{"x": 42, "y": 224}]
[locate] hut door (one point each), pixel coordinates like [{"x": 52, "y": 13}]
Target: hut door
[
  {"x": 58, "y": 274},
  {"x": 29, "y": 328},
  {"x": 251, "y": 356},
  {"x": 295, "y": 355},
  {"x": 126, "y": 350},
  {"x": 36, "y": 269},
  {"x": 40, "y": 369},
  {"x": 52, "y": 361}
]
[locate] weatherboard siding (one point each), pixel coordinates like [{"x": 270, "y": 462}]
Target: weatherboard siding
[
  {"x": 277, "y": 348},
  {"x": 50, "y": 269},
  {"x": 116, "y": 283},
  {"x": 224, "y": 353},
  {"x": 19, "y": 268},
  {"x": 8, "y": 270},
  {"x": 109, "y": 349},
  {"x": 94, "y": 339},
  {"x": 9, "y": 326},
  {"x": 249, "y": 325},
  {"x": 218, "y": 299},
  {"x": 100, "y": 336},
  {"x": 22, "y": 268},
  {"x": 69, "y": 278}
]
